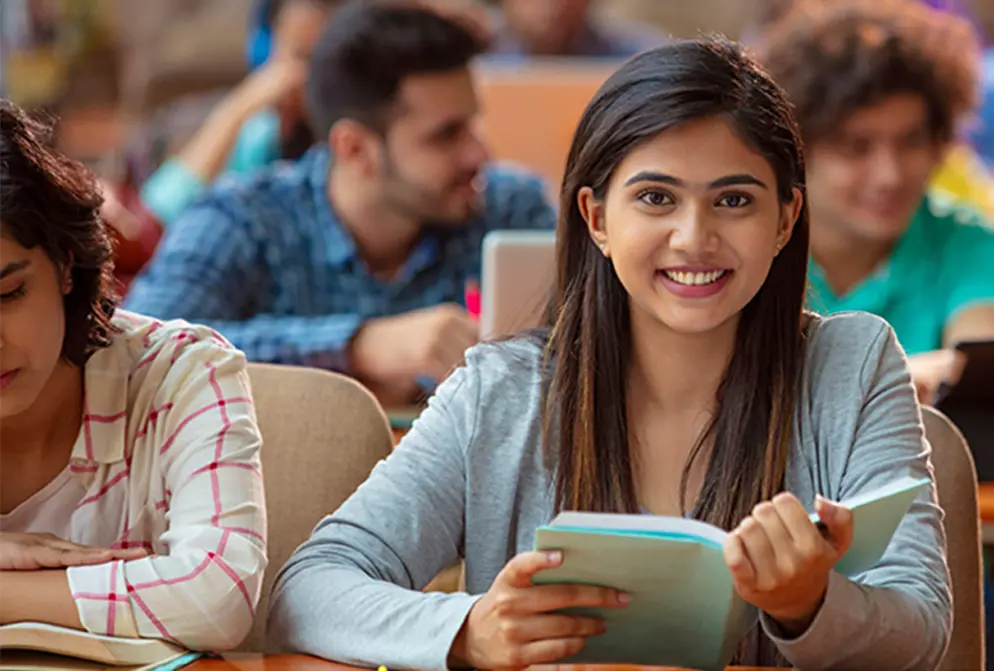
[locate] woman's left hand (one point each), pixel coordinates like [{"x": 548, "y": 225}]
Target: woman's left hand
[{"x": 780, "y": 561}]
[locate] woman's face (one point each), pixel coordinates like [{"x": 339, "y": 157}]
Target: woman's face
[
  {"x": 32, "y": 324},
  {"x": 691, "y": 222}
]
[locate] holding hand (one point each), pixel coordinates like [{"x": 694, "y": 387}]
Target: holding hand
[
  {"x": 32, "y": 552},
  {"x": 781, "y": 562},
  {"x": 513, "y": 626}
]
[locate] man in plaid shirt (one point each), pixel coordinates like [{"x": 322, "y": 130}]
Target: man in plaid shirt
[{"x": 356, "y": 258}]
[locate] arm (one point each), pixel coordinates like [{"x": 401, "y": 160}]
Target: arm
[
  {"x": 207, "y": 270},
  {"x": 203, "y": 593},
  {"x": 38, "y": 596},
  {"x": 350, "y": 592},
  {"x": 971, "y": 302},
  {"x": 897, "y": 615}
]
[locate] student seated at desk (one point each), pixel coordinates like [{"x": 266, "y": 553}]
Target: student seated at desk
[
  {"x": 253, "y": 125},
  {"x": 880, "y": 89},
  {"x": 131, "y": 498},
  {"x": 681, "y": 377},
  {"x": 356, "y": 258}
]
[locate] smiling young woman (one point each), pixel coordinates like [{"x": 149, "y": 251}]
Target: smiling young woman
[
  {"x": 678, "y": 375},
  {"x": 131, "y": 499}
]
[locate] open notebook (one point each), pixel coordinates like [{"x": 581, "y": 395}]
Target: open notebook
[
  {"x": 30, "y": 646},
  {"x": 685, "y": 611}
]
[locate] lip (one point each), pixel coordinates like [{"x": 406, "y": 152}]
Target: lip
[
  {"x": 694, "y": 291},
  {"x": 8, "y": 376}
]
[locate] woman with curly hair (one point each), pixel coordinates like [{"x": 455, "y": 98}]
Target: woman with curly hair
[{"x": 131, "y": 498}]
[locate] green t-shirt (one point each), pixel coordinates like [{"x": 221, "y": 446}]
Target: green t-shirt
[{"x": 943, "y": 264}]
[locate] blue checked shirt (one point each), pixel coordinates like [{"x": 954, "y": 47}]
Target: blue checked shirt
[{"x": 265, "y": 262}]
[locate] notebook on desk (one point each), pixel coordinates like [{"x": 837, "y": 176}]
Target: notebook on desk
[
  {"x": 684, "y": 610},
  {"x": 32, "y": 646}
]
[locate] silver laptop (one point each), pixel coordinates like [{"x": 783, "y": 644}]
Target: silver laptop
[{"x": 519, "y": 269}]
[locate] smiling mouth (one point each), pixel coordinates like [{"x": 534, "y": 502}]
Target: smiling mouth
[{"x": 692, "y": 279}]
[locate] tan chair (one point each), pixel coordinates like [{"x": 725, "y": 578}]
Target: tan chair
[
  {"x": 322, "y": 434},
  {"x": 956, "y": 486}
]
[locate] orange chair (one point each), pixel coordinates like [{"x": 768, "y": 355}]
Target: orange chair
[{"x": 530, "y": 110}]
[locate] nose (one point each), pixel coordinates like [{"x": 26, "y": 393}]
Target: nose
[
  {"x": 476, "y": 152},
  {"x": 886, "y": 168},
  {"x": 693, "y": 232}
]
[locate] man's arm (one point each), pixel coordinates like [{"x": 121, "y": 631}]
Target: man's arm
[
  {"x": 973, "y": 323},
  {"x": 37, "y": 596}
]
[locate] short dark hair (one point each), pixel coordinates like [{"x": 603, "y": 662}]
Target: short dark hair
[
  {"x": 372, "y": 46},
  {"x": 50, "y": 200},
  {"x": 836, "y": 57}
]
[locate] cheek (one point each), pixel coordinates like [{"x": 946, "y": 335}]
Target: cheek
[{"x": 35, "y": 328}]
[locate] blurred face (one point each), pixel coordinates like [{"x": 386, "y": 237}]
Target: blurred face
[
  {"x": 32, "y": 324},
  {"x": 546, "y": 26},
  {"x": 691, "y": 222},
  {"x": 867, "y": 180},
  {"x": 432, "y": 156}
]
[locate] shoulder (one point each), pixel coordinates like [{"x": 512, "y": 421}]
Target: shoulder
[
  {"x": 960, "y": 231},
  {"x": 265, "y": 194},
  {"x": 845, "y": 352},
  {"x": 157, "y": 353},
  {"x": 517, "y": 197}
]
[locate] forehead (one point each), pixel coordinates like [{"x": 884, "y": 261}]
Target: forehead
[
  {"x": 11, "y": 251},
  {"x": 426, "y": 100},
  {"x": 903, "y": 112},
  {"x": 698, "y": 152}
]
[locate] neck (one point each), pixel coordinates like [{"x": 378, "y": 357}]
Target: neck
[
  {"x": 49, "y": 427},
  {"x": 383, "y": 238},
  {"x": 846, "y": 259},
  {"x": 677, "y": 372}
]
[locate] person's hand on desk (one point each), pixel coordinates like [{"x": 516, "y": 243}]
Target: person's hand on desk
[
  {"x": 398, "y": 351},
  {"x": 781, "y": 562},
  {"x": 930, "y": 369},
  {"x": 32, "y": 552},
  {"x": 514, "y": 625}
]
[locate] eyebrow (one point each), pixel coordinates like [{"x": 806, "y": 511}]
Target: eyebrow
[
  {"x": 739, "y": 179},
  {"x": 12, "y": 268}
]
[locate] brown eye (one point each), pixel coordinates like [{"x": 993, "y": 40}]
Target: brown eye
[{"x": 655, "y": 198}]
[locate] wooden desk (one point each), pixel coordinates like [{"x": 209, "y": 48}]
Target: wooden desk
[{"x": 304, "y": 663}]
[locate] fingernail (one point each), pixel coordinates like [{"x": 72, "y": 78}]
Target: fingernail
[
  {"x": 554, "y": 557},
  {"x": 624, "y": 598}
]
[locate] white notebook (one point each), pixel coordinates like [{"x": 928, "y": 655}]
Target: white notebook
[{"x": 28, "y": 646}]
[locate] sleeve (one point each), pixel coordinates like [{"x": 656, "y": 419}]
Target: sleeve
[
  {"x": 207, "y": 270},
  {"x": 350, "y": 593},
  {"x": 170, "y": 191},
  {"x": 967, "y": 263},
  {"x": 258, "y": 144},
  {"x": 897, "y": 615},
  {"x": 203, "y": 593}
]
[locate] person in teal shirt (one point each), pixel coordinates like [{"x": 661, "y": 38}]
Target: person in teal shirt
[
  {"x": 246, "y": 130},
  {"x": 880, "y": 93}
]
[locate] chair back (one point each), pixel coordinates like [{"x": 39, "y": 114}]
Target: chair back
[
  {"x": 956, "y": 487},
  {"x": 322, "y": 433}
]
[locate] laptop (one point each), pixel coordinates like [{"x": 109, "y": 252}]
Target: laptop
[{"x": 518, "y": 275}]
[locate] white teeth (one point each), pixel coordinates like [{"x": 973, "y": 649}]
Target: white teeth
[{"x": 694, "y": 279}]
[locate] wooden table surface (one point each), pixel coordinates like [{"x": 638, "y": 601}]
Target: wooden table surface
[{"x": 304, "y": 663}]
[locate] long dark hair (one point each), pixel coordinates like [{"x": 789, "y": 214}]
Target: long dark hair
[{"x": 588, "y": 352}]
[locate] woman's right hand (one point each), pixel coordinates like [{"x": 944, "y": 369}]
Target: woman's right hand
[
  {"x": 269, "y": 86},
  {"x": 32, "y": 552},
  {"x": 514, "y": 625}
]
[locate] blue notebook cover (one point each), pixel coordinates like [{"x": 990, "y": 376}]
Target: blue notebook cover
[{"x": 684, "y": 610}]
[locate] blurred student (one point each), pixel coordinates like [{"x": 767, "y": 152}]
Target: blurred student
[
  {"x": 880, "y": 91},
  {"x": 565, "y": 28},
  {"x": 131, "y": 498},
  {"x": 681, "y": 376},
  {"x": 356, "y": 257},
  {"x": 253, "y": 125}
]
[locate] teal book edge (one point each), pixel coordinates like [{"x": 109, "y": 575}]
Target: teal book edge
[
  {"x": 179, "y": 662},
  {"x": 684, "y": 610}
]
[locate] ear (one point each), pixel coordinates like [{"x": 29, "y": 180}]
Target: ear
[
  {"x": 592, "y": 211},
  {"x": 354, "y": 144},
  {"x": 789, "y": 214}
]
